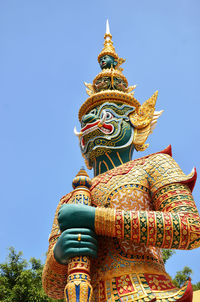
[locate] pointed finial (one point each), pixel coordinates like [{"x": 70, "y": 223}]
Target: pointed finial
[
  {"x": 108, "y": 48},
  {"x": 82, "y": 172},
  {"x": 107, "y": 27},
  {"x": 82, "y": 179},
  {"x": 108, "y": 35}
]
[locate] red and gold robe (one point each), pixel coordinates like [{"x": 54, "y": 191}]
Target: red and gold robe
[{"x": 142, "y": 206}]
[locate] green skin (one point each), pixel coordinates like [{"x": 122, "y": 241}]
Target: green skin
[
  {"x": 107, "y": 62},
  {"x": 74, "y": 220},
  {"x": 79, "y": 219},
  {"x": 99, "y": 143}
]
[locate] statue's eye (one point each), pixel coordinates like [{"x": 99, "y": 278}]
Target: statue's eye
[
  {"x": 93, "y": 111},
  {"x": 108, "y": 115}
]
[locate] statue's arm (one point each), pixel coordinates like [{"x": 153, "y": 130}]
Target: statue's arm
[
  {"x": 54, "y": 274},
  {"x": 174, "y": 224}
]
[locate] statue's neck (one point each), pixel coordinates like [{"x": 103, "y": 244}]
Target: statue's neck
[{"x": 112, "y": 159}]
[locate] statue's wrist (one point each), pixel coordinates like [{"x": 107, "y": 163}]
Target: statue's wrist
[
  {"x": 91, "y": 220},
  {"x": 105, "y": 222}
]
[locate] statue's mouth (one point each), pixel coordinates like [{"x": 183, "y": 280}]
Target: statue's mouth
[{"x": 90, "y": 127}]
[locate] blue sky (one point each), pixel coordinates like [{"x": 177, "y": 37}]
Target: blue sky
[{"x": 47, "y": 49}]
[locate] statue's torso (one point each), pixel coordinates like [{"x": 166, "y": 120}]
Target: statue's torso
[
  {"x": 125, "y": 188},
  {"x": 124, "y": 269}
]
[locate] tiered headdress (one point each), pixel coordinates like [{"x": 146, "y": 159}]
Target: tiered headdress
[{"x": 110, "y": 85}]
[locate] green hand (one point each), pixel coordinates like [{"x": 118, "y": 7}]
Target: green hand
[
  {"x": 69, "y": 246},
  {"x": 76, "y": 216}
]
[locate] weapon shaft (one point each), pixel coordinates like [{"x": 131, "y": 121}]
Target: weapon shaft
[{"x": 78, "y": 288}]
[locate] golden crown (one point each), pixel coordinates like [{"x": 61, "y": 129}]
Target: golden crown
[{"x": 111, "y": 86}]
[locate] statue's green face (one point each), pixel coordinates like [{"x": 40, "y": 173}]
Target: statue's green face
[
  {"x": 105, "y": 128},
  {"x": 107, "y": 62}
]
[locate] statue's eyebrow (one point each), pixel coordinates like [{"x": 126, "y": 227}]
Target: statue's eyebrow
[{"x": 117, "y": 108}]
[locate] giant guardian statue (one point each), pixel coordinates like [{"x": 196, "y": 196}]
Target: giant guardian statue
[{"x": 108, "y": 233}]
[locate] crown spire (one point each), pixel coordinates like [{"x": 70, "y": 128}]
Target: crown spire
[
  {"x": 107, "y": 27},
  {"x": 108, "y": 48}
]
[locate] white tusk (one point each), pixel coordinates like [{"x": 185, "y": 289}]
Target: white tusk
[
  {"x": 76, "y": 132},
  {"x": 102, "y": 120},
  {"x": 103, "y": 117}
]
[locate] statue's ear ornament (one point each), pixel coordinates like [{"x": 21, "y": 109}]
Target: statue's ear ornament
[
  {"x": 120, "y": 61},
  {"x": 144, "y": 120},
  {"x": 89, "y": 88},
  {"x": 130, "y": 90}
]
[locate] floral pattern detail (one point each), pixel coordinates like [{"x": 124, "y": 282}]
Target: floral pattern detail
[
  {"x": 124, "y": 285},
  {"x": 151, "y": 208}
]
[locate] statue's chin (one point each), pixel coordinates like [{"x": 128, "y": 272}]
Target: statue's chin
[
  {"x": 93, "y": 153},
  {"x": 102, "y": 149}
]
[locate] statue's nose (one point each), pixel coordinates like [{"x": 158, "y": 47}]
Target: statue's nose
[{"x": 89, "y": 118}]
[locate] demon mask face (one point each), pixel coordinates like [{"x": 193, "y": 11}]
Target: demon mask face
[{"x": 105, "y": 128}]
